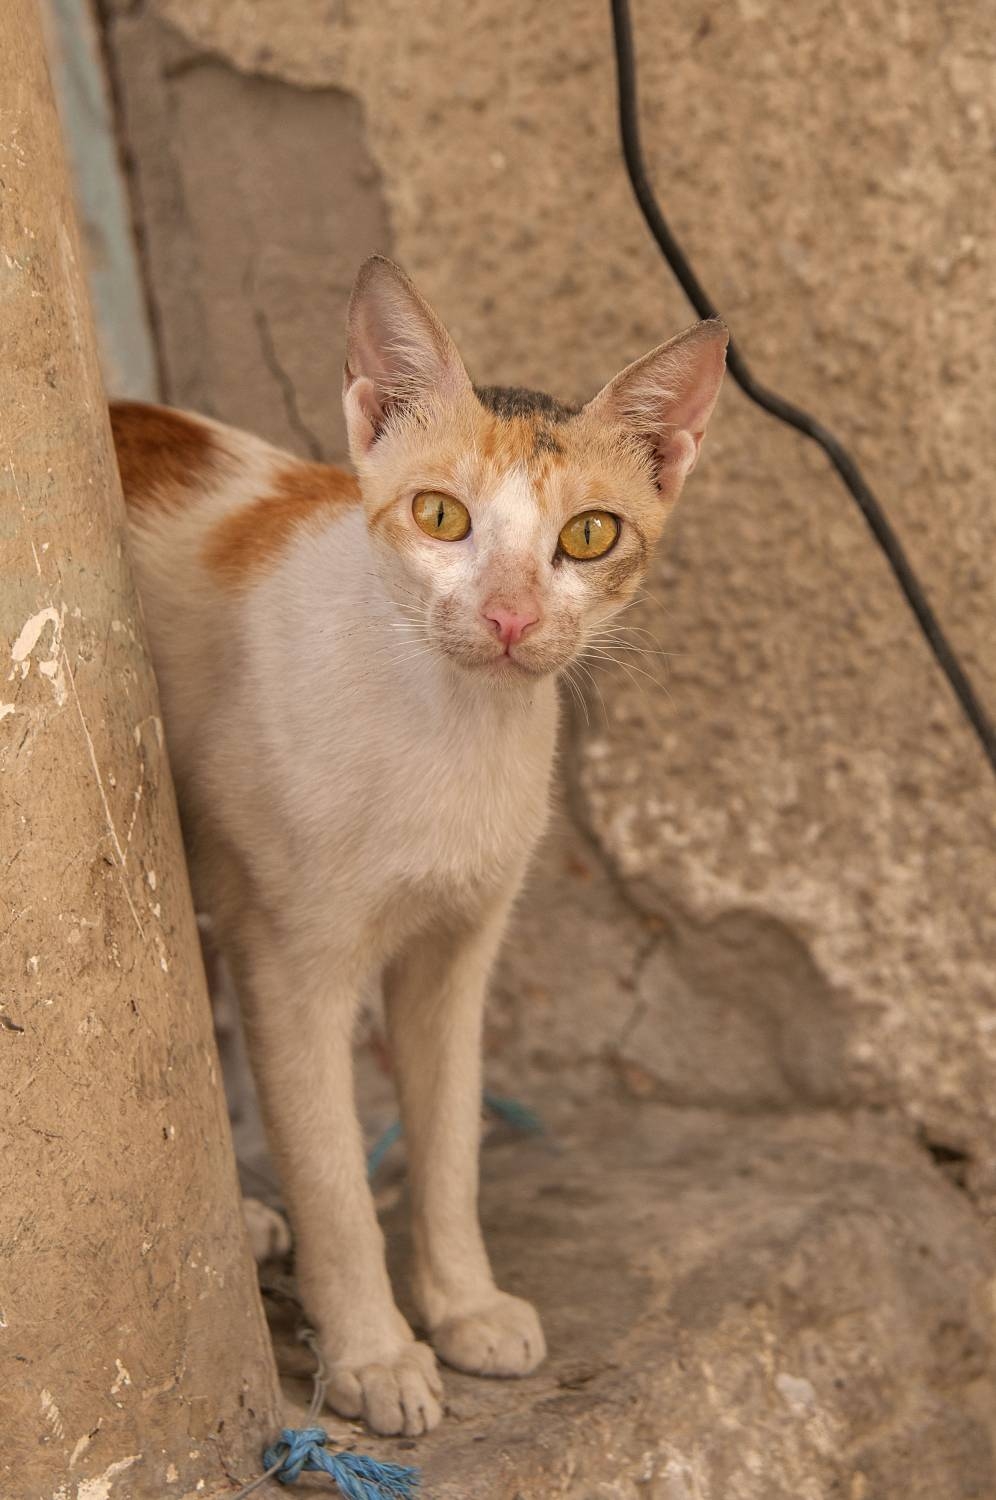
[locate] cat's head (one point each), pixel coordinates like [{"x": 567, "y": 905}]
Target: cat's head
[{"x": 509, "y": 527}]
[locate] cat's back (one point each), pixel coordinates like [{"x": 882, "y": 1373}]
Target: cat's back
[
  {"x": 182, "y": 474},
  {"x": 211, "y": 508},
  {"x": 212, "y": 511}
]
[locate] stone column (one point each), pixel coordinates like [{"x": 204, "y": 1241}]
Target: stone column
[{"x": 134, "y": 1353}]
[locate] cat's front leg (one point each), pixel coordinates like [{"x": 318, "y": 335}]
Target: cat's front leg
[
  {"x": 434, "y": 995},
  {"x": 299, "y": 1021}
]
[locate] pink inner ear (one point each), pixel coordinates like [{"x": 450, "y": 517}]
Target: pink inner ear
[
  {"x": 677, "y": 451},
  {"x": 667, "y": 398},
  {"x": 364, "y": 410},
  {"x": 397, "y": 349},
  {"x": 694, "y": 380},
  {"x": 699, "y": 375}
]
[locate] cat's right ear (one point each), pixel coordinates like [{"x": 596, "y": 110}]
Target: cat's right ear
[
  {"x": 667, "y": 397},
  {"x": 397, "y": 353}
]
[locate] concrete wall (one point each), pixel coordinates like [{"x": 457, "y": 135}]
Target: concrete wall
[{"x": 771, "y": 884}]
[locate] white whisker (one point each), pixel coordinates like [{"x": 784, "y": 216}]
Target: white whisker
[
  {"x": 631, "y": 670},
  {"x": 583, "y": 667},
  {"x": 576, "y": 692}
]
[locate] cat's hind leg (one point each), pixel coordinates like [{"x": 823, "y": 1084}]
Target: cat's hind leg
[{"x": 268, "y": 1231}]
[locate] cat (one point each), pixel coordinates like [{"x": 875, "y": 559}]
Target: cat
[{"x": 358, "y": 678}]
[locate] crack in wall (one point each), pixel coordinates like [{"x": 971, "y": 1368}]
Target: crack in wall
[
  {"x": 288, "y": 390},
  {"x": 272, "y": 361},
  {"x": 753, "y": 977}
]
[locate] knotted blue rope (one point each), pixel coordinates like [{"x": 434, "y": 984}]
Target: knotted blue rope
[
  {"x": 300, "y": 1450},
  {"x": 358, "y": 1478}
]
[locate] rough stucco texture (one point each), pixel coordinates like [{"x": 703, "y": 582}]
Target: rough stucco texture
[
  {"x": 132, "y": 1342},
  {"x": 784, "y": 864}
]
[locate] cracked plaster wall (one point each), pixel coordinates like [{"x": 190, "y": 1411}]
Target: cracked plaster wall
[{"x": 772, "y": 883}]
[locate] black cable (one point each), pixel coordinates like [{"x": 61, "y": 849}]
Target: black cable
[{"x": 784, "y": 410}]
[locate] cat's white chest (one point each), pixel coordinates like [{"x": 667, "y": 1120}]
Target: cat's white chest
[
  {"x": 468, "y": 797},
  {"x": 477, "y": 820}
]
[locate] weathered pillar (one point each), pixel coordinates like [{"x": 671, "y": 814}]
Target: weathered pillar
[{"x": 134, "y": 1358}]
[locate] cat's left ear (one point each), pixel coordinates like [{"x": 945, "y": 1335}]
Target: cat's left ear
[
  {"x": 667, "y": 398},
  {"x": 397, "y": 353}
]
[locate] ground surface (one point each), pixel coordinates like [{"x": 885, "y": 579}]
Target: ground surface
[{"x": 766, "y": 1308}]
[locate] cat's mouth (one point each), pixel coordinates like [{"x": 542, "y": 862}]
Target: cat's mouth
[
  {"x": 482, "y": 653},
  {"x": 509, "y": 665}
]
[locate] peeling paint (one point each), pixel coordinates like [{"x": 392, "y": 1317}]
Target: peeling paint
[
  {"x": 28, "y": 639},
  {"x": 83, "y": 1443},
  {"x": 30, "y": 631},
  {"x": 100, "y": 1487},
  {"x": 51, "y": 1413}
]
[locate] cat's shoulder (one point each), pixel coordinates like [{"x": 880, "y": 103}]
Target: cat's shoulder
[{"x": 247, "y": 497}]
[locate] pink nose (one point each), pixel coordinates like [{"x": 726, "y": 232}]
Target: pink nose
[{"x": 510, "y": 625}]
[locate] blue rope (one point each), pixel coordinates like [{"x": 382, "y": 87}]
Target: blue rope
[
  {"x": 301, "y": 1450},
  {"x": 519, "y": 1116},
  {"x": 382, "y": 1147},
  {"x": 358, "y": 1478}
]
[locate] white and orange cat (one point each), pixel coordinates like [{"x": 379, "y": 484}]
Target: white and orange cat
[{"x": 358, "y": 678}]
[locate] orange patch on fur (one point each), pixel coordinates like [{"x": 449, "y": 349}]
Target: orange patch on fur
[
  {"x": 163, "y": 456},
  {"x": 508, "y": 442},
  {"x": 251, "y": 538}
]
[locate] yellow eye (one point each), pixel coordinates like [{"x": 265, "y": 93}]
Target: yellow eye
[
  {"x": 441, "y": 516},
  {"x": 590, "y": 534}
]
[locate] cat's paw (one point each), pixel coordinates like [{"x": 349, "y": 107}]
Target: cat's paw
[
  {"x": 502, "y": 1337},
  {"x": 402, "y": 1396},
  {"x": 268, "y": 1230}
]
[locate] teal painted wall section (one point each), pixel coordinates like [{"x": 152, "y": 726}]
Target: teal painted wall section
[{"x": 127, "y": 347}]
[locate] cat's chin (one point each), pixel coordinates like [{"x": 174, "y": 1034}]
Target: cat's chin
[
  {"x": 511, "y": 669},
  {"x": 507, "y": 669},
  {"x": 500, "y": 669}
]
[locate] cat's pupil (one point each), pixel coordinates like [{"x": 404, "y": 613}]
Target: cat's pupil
[
  {"x": 587, "y": 532},
  {"x": 439, "y": 515}
]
